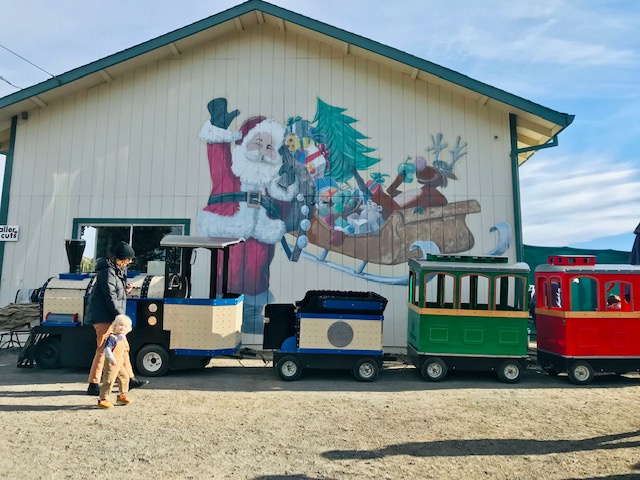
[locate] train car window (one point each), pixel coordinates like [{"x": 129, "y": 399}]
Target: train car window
[
  {"x": 474, "y": 292},
  {"x": 510, "y": 293},
  {"x": 439, "y": 290},
  {"x": 583, "y": 294},
  {"x": 543, "y": 297},
  {"x": 617, "y": 296},
  {"x": 414, "y": 288},
  {"x": 555, "y": 293}
]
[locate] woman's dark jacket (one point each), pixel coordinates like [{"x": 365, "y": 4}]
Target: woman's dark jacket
[{"x": 109, "y": 295}]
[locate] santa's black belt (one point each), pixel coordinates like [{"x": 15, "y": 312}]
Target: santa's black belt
[{"x": 254, "y": 199}]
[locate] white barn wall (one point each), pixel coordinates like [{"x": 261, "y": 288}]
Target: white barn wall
[{"x": 130, "y": 149}]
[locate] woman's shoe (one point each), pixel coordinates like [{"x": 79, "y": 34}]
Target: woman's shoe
[{"x": 135, "y": 383}]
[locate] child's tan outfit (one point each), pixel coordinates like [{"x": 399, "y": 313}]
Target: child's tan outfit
[{"x": 116, "y": 347}]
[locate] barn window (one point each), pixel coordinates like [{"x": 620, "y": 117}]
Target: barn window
[{"x": 143, "y": 235}]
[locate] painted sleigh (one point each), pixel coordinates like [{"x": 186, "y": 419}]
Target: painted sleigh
[
  {"x": 398, "y": 236},
  {"x": 402, "y": 236}
]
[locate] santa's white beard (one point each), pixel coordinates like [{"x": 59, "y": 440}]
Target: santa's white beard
[{"x": 253, "y": 169}]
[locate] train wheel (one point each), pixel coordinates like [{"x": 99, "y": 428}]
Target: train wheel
[
  {"x": 366, "y": 370},
  {"x": 434, "y": 369},
  {"x": 289, "y": 368},
  {"x": 47, "y": 353},
  {"x": 510, "y": 371},
  {"x": 581, "y": 373},
  {"x": 152, "y": 361}
]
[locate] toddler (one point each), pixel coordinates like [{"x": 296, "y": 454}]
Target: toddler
[{"x": 115, "y": 349}]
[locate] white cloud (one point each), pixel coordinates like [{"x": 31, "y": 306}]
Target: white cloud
[{"x": 578, "y": 198}]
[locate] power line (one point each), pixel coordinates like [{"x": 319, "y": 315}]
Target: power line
[
  {"x": 31, "y": 63},
  {"x": 7, "y": 81}
]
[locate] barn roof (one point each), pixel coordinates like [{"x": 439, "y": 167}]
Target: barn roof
[{"x": 535, "y": 124}]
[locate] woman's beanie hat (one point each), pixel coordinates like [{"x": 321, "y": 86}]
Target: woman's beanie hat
[{"x": 123, "y": 250}]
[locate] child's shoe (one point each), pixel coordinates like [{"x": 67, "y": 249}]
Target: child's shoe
[
  {"x": 123, "y": 399},
  {"x": 105, "y": 404}
]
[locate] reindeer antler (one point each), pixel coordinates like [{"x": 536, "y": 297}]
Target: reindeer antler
[{"x": 456, "y": 154}]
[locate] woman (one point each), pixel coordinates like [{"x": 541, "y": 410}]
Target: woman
[{"x": 109, "y": 299}]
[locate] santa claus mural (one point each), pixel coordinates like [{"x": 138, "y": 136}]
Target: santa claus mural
[{"x": 250, "y": 195}]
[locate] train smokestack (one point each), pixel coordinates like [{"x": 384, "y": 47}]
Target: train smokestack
[{"x": 75, "y": 249}]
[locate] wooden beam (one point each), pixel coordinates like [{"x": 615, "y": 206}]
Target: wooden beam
[
  {"x": 345, "y": 48},
  {"x": 174, "y": 49},
  {"x": 105, "y": 76},
  {"x": 238, "y": 23},
  {"x": 39, "y": 102},
  {"x": 260, "y": 17},
  {"x": 414, "y": 73},
  {"x": 534, "y": 127},
  {"x": 281, "y": 24},
  {"x": 528, "y": 141},
  {"x": 483, "y": 100}
]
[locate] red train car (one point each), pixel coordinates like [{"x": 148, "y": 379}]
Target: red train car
[{"x": 587, "y": 317}]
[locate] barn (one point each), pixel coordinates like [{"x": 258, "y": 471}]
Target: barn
[{"x": 364, "y": 157}]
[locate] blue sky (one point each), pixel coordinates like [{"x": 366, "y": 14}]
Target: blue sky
[{"x": 581, "y": 58}]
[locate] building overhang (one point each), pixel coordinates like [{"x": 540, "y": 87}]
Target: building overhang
[{"x": 536, "y": 125}]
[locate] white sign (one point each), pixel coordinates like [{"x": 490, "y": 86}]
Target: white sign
[{"x": 9, "y": 233}]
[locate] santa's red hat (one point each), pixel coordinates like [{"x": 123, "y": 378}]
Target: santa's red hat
[{"x": 255, "y": 125}]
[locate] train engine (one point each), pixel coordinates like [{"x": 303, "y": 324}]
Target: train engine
[{"x": 171, "y": 330}]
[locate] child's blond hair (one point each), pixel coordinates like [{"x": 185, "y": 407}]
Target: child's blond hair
[{"x": 122, "y": 320}]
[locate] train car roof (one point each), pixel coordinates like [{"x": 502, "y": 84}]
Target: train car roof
[
  {"x": 188, "y": 241},
  {"x": 582, "y": 269},
  {"x": 518, "y": 267}
]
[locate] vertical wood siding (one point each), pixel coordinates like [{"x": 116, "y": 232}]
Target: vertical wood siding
[{"x": 130, "y": 149}]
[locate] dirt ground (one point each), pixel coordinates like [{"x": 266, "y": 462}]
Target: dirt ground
[{"x": 237, "y": 419}]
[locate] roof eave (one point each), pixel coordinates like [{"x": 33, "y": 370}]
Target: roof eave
[{"x": 562, "y": 120}]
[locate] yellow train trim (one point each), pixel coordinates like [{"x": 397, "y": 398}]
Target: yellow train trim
[
  {"x": 588, "y": 314},
  {"x": 467, "y": 313}
]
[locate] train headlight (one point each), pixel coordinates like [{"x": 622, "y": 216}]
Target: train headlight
[
  {"x": 152, "y": 321},
  {"x": 153, "y": 308}
]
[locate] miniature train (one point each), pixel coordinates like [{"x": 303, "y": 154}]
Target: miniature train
[
  {"x": 172, "y": 330},
  {"x": 466, "y": 313}
]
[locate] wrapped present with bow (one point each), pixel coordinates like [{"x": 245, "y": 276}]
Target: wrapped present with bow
[
  {"x": 375, "y": 184},
  {"x": 316, "y": 160},
  {"x": 299, "y": 127}
]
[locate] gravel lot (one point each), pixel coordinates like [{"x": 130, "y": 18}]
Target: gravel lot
[{"x": 237, "y": 420}]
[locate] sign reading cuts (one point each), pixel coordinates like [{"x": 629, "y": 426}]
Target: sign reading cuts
[{"x": 9, "y": 233}]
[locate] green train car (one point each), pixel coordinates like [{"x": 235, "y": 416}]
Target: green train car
[{"x": 468, "y": 313}]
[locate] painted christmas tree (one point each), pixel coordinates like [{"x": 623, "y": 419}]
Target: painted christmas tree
[{"x": 347, "y": 153}]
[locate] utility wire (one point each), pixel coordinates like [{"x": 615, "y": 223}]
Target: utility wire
[
  {"x": 31, "y": 63},
  {"x": 7, "y": 81}
]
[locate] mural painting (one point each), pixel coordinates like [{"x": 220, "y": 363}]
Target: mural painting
[{"x": 314, "y": 180}]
